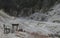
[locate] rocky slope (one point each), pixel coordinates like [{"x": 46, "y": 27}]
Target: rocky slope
[{"x": 41, "y": 22}]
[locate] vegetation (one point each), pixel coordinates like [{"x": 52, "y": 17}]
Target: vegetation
[{"x": 14, "y": 7}]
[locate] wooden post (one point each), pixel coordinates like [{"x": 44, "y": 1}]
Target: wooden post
[{"x": 4, "y": 28}]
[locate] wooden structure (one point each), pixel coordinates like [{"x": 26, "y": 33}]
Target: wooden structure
[
  {"x": 13, "y": 27},
  {"x": 6, "y": 29}
]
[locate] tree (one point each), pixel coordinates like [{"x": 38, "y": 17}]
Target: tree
[{"x": 18, "y": 5}]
